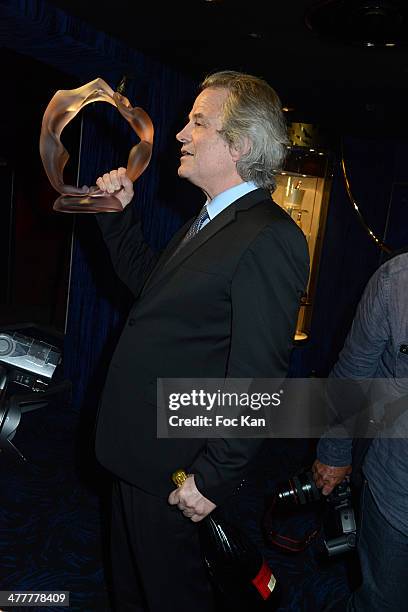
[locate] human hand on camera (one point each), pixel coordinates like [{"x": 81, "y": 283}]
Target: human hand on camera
[
  {"x": 327, "y": 477},
  {"x": 117, "y": 183}
]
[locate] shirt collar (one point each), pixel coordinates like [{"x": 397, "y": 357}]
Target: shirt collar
[{"x": 224, "y": 199}]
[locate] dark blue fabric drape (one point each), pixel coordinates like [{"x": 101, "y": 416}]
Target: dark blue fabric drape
[
  {"x": 378, "y": 175},
  {"x": 51, "y": 525},
  {"x": 98, "y": 302}
]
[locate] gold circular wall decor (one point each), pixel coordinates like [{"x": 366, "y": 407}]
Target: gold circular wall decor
[{"x": 62, "y": 108}]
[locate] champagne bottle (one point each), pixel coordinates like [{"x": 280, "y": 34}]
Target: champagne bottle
[{"x": 235, "y": 564}]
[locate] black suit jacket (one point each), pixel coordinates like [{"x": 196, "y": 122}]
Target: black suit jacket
[{"x": 225, "y": 305}]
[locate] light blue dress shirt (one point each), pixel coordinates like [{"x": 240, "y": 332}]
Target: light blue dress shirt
[{"x": 227, "y": 197}]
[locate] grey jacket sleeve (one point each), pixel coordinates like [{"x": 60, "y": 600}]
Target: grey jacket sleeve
[{"x": 360, "y": 356}]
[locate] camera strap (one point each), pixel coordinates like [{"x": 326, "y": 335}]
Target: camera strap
[
  {"x": 276, "y": 536},
  {"x": 290, "y": 544}
]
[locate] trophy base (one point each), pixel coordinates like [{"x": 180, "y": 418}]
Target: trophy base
[{"x": 87, "y": 204}]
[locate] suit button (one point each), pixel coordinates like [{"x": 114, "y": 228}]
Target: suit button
[{"x": 131, "y": 322}]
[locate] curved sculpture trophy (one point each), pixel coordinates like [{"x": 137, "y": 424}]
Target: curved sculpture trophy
[{"x": 62, "y": 108}]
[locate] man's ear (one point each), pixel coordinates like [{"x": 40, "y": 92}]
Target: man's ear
[{"x": 240, "y": 150}]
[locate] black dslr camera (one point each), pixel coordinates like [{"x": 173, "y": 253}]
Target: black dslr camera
[{"x": 339, "y": 524}]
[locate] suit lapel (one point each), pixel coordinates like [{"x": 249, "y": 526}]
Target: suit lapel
[
  {"x": 167, "y": 263},
  {"x": 167, "y": 252}
]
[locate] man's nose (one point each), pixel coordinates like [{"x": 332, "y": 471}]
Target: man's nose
[{"x": 183, "y": 135}]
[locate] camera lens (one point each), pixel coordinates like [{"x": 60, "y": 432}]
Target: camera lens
[
  {"x": 299, "y": 490},
  {"x": 7, "y": 345}
]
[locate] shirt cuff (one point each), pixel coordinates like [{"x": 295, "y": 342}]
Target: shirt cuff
[{"x": 335, "y": 452}]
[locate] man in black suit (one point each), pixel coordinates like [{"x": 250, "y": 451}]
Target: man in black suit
[{"x": 221, "y": 301}]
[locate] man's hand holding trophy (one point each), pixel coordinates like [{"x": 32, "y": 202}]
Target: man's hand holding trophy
[{"x": 62, "y": 108}]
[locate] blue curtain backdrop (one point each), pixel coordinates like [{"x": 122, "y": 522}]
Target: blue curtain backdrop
[
  {"x": 378, "y": 174},
  {"x": 98, "y": 302},
  {"x": 53, "y": 534}
]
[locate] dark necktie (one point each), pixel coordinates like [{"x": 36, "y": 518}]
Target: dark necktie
[
  {"x": 196, "y": 225},
  {"x": 194, "y": 228}
]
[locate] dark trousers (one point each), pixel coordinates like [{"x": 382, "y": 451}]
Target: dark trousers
[
  {"x": 383, "y": 554},
  {"x": 156, "y": 558}
]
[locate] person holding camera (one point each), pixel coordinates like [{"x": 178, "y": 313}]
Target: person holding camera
[{"x": 377, "y": 348}]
